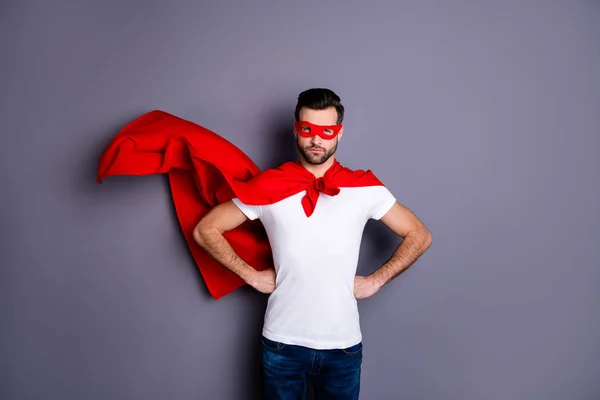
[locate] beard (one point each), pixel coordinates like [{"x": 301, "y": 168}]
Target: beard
[{"x": 316, "y": 158}]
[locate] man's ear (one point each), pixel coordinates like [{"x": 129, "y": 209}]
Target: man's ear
[{"x": 341, "y": 133}]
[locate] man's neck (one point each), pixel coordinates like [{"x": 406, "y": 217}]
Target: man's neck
[{"x": 317, "y": 170}]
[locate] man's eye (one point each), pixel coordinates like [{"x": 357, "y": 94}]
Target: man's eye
[
  {"x": 305, "y": 129},
  {"x": 328, "y": 131}
]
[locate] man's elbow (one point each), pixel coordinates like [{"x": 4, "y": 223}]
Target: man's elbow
[
  {"x": 428, "y": 239},
  {"x": 426, "y": 236},
  {"x": 202, "y": 231},
  {"x": 422, "y": 235}
]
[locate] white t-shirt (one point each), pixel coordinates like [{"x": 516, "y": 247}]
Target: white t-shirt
[{"x": 315, "y": 260}]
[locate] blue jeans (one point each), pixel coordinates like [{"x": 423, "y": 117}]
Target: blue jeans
[{"x": 335, "y": 373}]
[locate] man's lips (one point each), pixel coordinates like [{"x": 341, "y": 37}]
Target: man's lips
[{"x": 315, "y": 150}]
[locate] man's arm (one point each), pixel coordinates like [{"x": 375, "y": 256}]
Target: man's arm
[
  {"x": 416, "y": 240},
  {"x": 208, "y": 233}
]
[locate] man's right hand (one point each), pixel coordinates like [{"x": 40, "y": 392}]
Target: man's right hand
[{"x": 263, "y": 281}]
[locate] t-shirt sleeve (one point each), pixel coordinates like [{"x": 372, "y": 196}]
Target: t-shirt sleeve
[
  {"x": 252, "y": 212},
  {"x": 380, "y": 202}
]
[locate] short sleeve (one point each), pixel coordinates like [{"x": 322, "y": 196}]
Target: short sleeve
[
  {"x": 252, "y": 212},
  {"x": 380, "y": 202}
]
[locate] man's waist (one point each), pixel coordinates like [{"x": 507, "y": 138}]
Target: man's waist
[{"x": 316, "y": 340}]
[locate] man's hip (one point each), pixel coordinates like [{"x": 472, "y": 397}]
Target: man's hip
[{"x": 335, "y": 373}]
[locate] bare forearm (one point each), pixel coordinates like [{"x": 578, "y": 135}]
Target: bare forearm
[
  {"x": 219, "y": 248},
  {"x": 409, "y": 251}
]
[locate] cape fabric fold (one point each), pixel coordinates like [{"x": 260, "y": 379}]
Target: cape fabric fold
[{"x": 204, "y": 170}]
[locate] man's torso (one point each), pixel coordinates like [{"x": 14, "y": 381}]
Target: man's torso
[{"x": 315, "y": 259}]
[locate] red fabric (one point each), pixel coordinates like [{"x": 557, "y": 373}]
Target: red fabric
[{"x": 205, "y": 170}]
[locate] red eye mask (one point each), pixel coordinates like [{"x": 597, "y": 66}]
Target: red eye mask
[{"x": 327, "y": 132}]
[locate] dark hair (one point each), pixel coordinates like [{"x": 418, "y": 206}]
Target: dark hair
[{"x": 319, "y": 99}]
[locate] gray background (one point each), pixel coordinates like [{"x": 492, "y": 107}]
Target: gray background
[{"x": 482, "y": 117}]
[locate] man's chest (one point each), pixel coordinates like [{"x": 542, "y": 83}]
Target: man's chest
[{"x": 334, "y": 216}]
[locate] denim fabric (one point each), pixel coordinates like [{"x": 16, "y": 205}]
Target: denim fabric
[{"x": 335, "y": 373}]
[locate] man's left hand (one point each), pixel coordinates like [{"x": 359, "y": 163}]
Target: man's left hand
[{"x": 365, "y": 287}]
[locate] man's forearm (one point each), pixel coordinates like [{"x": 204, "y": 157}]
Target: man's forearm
[
  {"x": 409, "y": 251},
  {"x": 219, "y": 248}
]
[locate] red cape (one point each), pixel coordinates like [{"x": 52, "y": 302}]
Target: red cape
[{"x": 205, "y": 170}]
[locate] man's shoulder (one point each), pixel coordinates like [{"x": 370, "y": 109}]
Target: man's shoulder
[
  {"x": 349, "y": 176},
  {"x": 354, "y": 167},
  {"x": 278, "y": 169}
]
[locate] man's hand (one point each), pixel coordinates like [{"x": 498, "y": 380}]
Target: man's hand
[
  {"x": 263, "y": 281},
  {"x": 365, "y": 287}
]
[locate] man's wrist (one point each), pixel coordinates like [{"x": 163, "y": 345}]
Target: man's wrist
[
  {"x": 377, "y": 279},
  {"x": 249, "y": 276}
]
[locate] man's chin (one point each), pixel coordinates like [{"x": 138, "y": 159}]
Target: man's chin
[{"x": 316, "y": 160}]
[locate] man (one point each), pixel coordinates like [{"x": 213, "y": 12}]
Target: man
[{"x": 311, "y": 325}]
